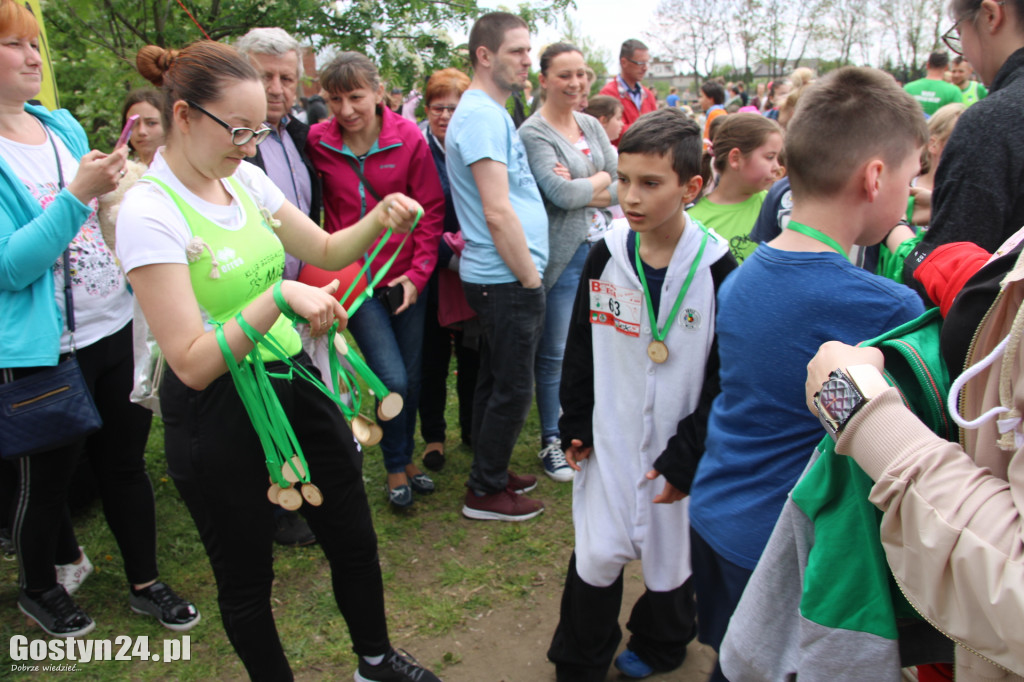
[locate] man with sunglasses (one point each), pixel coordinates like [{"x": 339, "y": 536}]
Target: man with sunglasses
[{"x": 636, "y": 99}]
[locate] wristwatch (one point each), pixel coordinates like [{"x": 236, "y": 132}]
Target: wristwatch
[{"x": 844, "y": 393}]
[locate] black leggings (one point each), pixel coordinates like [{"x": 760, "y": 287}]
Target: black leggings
[
  {"x": 40, "y": 523},
  {"x": 218, "y": 465}
]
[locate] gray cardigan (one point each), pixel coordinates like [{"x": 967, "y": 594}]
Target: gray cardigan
[{"x": 566, "y": 200}]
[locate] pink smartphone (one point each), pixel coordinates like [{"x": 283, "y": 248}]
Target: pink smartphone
[{"x": 127, "y": 131}]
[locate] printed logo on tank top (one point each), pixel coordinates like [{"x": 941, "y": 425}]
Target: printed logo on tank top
[{"x": 228, "y": 259}]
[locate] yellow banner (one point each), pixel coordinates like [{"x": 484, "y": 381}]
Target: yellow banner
[{"x": 48, "y": 92}]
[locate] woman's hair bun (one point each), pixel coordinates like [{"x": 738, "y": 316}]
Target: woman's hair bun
[{"x": 153, "y": 62}]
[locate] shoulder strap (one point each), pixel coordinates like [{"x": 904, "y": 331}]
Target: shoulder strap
[{"x": 362, "y": 178}]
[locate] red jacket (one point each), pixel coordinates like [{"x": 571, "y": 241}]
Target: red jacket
[
  {"x": 400, "y": 161},
  {"x": 629, "y": 111}
]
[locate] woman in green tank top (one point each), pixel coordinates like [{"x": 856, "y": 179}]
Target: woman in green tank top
[{"x": 202, "y": 239}]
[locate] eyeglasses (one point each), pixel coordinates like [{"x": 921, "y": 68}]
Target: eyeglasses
[
  {"x": 633, "y": 61},
  {"x": 439, "y": 109},
  {"x": 952, "y": 37},
  {"x": 239, "y": 136}
]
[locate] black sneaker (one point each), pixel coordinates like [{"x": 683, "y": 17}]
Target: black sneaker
[
  {"x": 160, "y": 601},
  {"x": 397, "y": 666},
  {"x": 56, "y": 612},
  {"x": 291, "y": 530}
]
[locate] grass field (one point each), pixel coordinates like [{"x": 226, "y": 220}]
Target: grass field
[{"x": 440, "y": 572}]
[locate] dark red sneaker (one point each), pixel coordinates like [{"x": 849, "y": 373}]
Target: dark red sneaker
[
  {"x": 521, "y": 484},
  {"x": 503, "y": 506}
]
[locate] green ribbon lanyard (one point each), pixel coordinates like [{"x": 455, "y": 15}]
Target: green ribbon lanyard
[
  {"x": 660, "y": 334},
  {"x": 265, "y": 413},
  {"x": 252, "y": 380},
  {"x": 817, "y": 235},
  {"x": 337, "y": 371},
  {"x": 368, "y": 291}
]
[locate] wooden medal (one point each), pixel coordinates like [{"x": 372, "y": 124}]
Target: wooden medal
[
  {"x": 296, "y": 475},
  {"x": 376, "y": 434},
  {"x": 289, "y": 498},
  {"x": 273, "y": 491},
  {"x": 340, "y": 344},
  {"x": 361, "y": 429},
  {"x": 390, "y": 406},
  {"x": 312, "y": 494},
  {"x": 657, "y": 351}
]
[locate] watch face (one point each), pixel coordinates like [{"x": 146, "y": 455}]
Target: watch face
[{"x": 838, "y": 398}]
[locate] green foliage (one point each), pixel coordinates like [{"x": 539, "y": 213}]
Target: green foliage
[{"x": 94, "y": 42}]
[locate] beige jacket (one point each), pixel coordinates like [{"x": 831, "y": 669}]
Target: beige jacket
[{"x": 952, "y": 526}]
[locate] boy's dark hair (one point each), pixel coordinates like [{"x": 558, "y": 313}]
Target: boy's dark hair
[
  {"x": 603, "y": 106},
  {"x": 851, "y": 115},
  {"x": 714, "y": 91},
  {"x": 938, "y": 60},
  {"x": 667, "y": 132},
  {"x": 489, "y": 31},
  {"x": 630, "y": 47}
]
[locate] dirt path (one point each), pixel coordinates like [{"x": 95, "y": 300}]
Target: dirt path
[{"x": 509, "y": 643}]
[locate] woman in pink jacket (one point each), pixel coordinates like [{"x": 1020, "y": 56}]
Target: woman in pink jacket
[{"x": 366, "y": 152}]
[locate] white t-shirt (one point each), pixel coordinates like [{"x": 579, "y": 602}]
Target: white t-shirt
[
  {"x": 101, "y": 299},
  {"x": 151, "y": 229}
]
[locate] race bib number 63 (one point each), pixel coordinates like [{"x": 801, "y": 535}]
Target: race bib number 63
[{"x": 616, "y": 306}]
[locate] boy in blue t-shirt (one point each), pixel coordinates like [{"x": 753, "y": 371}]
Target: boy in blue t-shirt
[
  {"x": 852, "y": 149},
  {"x": 636, "y": 390}
]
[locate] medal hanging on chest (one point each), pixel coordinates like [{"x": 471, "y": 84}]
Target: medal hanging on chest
[{"x": 657, "y": 350}]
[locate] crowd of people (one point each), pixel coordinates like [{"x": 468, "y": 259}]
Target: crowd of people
[{"x": 693, "y": 300}]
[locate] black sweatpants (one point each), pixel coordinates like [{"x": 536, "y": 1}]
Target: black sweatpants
[
  {"x": 588, "y": 633},
  {"x": 217, "y": 463},
  {"x": 40, "y": 523}
]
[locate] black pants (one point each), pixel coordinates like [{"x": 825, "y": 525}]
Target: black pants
[
  {"x": 40, "y": 523},
  {"x": 217, "y": 463},
  {"x": 437, "y": 353},
  {"x": 511, "y": 320},
  {"x": 588, "y": 630}
]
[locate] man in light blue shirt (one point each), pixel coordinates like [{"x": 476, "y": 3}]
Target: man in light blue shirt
[{"x": 506, "y": 231}]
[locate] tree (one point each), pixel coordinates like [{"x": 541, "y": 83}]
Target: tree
[
  {"x": 915, "y": 27},
  {"x": 594, "y": 57},
  {"x": 94, "y": 42},
  {"x": 746, "y": 21},
  {"x": 788, "y": 30},
  {"x": 688, "y": 31},
  {"x": 848, "y": 26}
]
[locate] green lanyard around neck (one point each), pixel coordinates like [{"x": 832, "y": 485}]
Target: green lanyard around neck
[
  {"x": 660, "y": 334},
  {"x": 816, "y": 235}
]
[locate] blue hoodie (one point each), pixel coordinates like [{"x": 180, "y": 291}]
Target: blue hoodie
[{"x": 31, "y": 240}]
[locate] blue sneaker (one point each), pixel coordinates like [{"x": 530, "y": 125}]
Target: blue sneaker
[
  {"x": 553, "y": 459},
  {"x": 631, "y": 665}
]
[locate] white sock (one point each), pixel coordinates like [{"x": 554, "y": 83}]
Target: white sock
[{"x": 373, "y": 660}]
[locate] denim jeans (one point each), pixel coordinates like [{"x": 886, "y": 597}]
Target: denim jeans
[
  {"x": 548, "y": 367},
  {"x": 512, "y": 319},
  {"x": 392, "y": 346}
]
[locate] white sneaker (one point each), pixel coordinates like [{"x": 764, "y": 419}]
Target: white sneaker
[
  {"x": 554, "y": 462},
  {"x": 71, "y": 576}
]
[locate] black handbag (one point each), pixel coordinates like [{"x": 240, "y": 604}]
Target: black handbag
[{"x": 53, "y": 407}]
